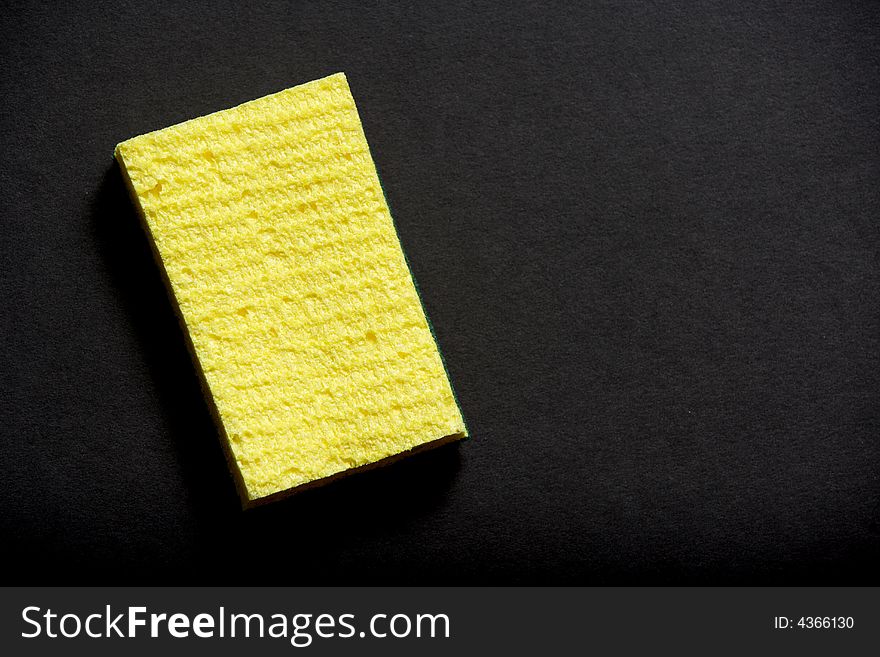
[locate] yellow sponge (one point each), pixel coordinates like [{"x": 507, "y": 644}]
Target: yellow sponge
[{"x": 272, "y": 229}]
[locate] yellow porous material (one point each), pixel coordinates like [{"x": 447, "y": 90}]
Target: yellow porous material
[{"x": 275, "y": 238}]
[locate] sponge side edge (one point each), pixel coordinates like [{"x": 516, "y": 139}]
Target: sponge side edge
[
  {"x": 320, "y": 483},
  {"x": 466, "y": 433},
  {"x": 240, "y": 486}
]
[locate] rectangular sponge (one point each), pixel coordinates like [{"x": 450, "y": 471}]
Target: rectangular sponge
[{"x": 271, "y": 227}]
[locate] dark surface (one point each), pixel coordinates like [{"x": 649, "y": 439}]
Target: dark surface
[{"x": 647, "y": 238}]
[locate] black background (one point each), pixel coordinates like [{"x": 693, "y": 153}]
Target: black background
[{"x": 646, "y": 235}]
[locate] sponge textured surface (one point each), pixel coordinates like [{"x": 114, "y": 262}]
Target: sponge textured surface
[{"x": 280, "y": 251}]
